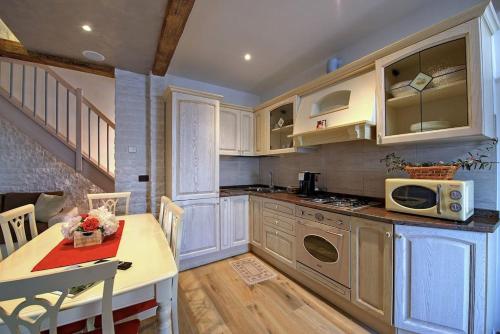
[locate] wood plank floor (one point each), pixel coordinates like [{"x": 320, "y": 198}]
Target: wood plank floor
[{"x": 214, "y": 299}]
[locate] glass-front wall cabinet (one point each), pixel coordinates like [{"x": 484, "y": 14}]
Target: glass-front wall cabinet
[
  {"x": 438, "y": 88},
  {"x": 281, "y": 127},
  {"x": 427, "y": 91}
]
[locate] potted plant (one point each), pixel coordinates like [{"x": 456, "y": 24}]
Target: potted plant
[{"x": 441, "y": 170}]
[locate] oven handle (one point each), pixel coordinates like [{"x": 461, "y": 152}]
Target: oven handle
[
  {"x": 438, "y": 199},
  {"x": 324, "y": 229}
]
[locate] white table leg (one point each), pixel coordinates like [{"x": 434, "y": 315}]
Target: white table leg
[{"x": 164, "y": 300}]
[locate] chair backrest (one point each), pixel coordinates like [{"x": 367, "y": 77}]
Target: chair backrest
[
  {"x": 162, "y": 217},
  {"x": 14, "y": 219},
  {"x": 109, "y": 200},
  {"x": 175, "y": 230},
  {"x": 30, "y": 292}
]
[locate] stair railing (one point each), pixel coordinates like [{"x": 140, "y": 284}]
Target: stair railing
[{"x": 61, "y": 109}]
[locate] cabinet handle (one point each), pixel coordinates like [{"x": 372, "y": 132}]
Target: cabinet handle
[
  {"x": 399, "y": 236},
  {"x": 388, "y": 234},
  {"x": 438, "y": 199},
  {"x": 379, "y": 139}
]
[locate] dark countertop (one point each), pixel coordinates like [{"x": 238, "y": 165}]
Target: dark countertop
[{"x": 482, "y": 221}]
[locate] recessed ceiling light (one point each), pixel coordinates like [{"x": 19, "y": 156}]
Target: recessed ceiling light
[
  {"x": 86, "y": 27},
  {"x": 247, "y": 56},
  {"x": 92, "y": 55}
]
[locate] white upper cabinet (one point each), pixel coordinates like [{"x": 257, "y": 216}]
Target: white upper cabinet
[
  {"x": 274, "y": 126},
  {"x": 439, "y": 88},
  {"x": 192, "y": 144},
  {"x": 236, "y": 130}
]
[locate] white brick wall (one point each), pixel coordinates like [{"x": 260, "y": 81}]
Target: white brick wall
[
  {"x": 28, "y": 167},
  {"x": 131, "y": 130}
]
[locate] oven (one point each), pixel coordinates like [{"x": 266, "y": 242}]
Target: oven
[{"x": 325, "y": 248}]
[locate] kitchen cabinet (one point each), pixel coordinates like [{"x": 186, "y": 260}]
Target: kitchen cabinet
[
  {"x": 234, "y": 212},
  {"x": 279, "y": 244},
  {"x": 274, "y": 128},
  {"x": 261, "y": 135},
  {"x": 372, "y": 267},
  {"x": 444, "y": 280},
  {"x": 192, "y": 144},
  {"x": 236, "y": 130},
  {"x": 256, "y": 221},
  {"x": 200, "y": 227},
  {"x": 440, "y": 87}
]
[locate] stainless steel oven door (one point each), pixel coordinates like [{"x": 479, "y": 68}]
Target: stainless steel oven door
[{"x": 325, "y": 249}]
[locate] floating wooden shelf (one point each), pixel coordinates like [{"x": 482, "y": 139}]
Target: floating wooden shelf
[
  {"x": 432, "y": 94},
  {"x": 347, "y": 132}
]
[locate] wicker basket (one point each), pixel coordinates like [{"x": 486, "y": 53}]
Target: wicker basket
[{"x": 433, "y": 172}]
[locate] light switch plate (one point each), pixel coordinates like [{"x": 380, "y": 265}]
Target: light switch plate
[{"x": 132, "y": 149}]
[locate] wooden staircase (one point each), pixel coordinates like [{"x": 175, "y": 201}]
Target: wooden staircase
[{"x": 60, "y": 118}]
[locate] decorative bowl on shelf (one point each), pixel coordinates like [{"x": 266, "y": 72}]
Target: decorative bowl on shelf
[{"x": 429, "y": 126}]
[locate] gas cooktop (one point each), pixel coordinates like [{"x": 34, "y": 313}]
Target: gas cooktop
[{"x": 342, "y": 201}]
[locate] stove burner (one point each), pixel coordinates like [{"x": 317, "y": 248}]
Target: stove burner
[{"x": 349, "y": 203}]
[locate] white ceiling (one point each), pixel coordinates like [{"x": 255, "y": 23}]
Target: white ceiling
[
  {"x": 281, "y": 35},
  {"x": 126, "y": 32}
]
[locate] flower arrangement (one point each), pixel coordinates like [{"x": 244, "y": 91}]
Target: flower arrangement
[
  {"x": 99, "y": 219},
  {"x": 440, "y": 169}
]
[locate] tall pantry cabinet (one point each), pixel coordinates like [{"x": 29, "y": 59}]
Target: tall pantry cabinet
[{"x": 192, "y": 167}]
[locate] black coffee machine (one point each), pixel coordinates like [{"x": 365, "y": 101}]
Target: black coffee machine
[{"x": 307, "y": 183}]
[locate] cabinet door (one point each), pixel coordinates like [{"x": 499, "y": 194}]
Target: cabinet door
[
  {"x": 256, "y": 221},
  {"x": 225, "y": 222},
  {"x": 435, "y": 89},
  {"x": 439, "y": 280},
  {"x": 280, "y": 245},
  {"x": 200, "y": 227},
  {"x": 372, "y": 269},
  {"x": 239, "y": 220},
  {"x": 247, "y": 133},
  {"x": 196, "y": 147},
  {"x": 230, "y": 122},
  {"x": 260, "y": 131}
]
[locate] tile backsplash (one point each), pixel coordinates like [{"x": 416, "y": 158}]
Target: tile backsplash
[
  {"x": 239, "y": 171},
  {"x": 355, "y": 168}
]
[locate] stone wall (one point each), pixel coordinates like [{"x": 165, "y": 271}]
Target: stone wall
[
  {"x": 28, "y": 167},
  {"x": 355, "y": 168}
]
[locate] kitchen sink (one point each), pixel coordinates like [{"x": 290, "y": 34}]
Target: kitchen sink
[{"x": 264, "y": 190}]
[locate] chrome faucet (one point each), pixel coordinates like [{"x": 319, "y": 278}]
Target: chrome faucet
[{"x": 271, "y": 184}]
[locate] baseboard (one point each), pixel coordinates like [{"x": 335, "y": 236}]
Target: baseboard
[{"x": 212, "y": 257}]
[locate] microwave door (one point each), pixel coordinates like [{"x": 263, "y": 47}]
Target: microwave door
[{"x": 417, "y": 198}]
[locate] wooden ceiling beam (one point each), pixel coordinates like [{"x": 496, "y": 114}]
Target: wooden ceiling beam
[
  {"x": 176, "y": 16},
  {"x": 13, "y": 49}
]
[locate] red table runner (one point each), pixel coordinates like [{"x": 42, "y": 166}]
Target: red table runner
[{"x": 64, "y": 254}]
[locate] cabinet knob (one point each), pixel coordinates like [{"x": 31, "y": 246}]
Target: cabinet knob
[
  {"x": 379, "y": 139},
  {"x": 276, "y": 222},
  {"x": 399, "y": 236},
  {"x": 276, "y": 232},
  {"x": 388, "y": 234}
]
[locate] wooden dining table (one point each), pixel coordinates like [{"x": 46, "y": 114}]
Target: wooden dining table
[{"x": 143, "y": 243}]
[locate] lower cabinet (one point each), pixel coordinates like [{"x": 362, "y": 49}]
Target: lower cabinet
[
  {"x": 234, "y": 221},
  {"x": 200, "y": 227},
  {"x": 279, "y": 244},
  {"x": 372, "y": 267},
  {"x": 256, "y": 221},
  {"x": 440, "y": 280}
]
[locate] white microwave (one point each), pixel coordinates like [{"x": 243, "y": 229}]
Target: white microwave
[{"x": 447, "y": 199}]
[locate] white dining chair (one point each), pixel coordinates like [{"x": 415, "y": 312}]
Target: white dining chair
[
  {"x": 174, "y": 240},
  {"x": 27, "y": 292},
  {"x": 110, "y": 200},
  {"x": 164, "y": 201},
  {"x": 14, "y": 220}
]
